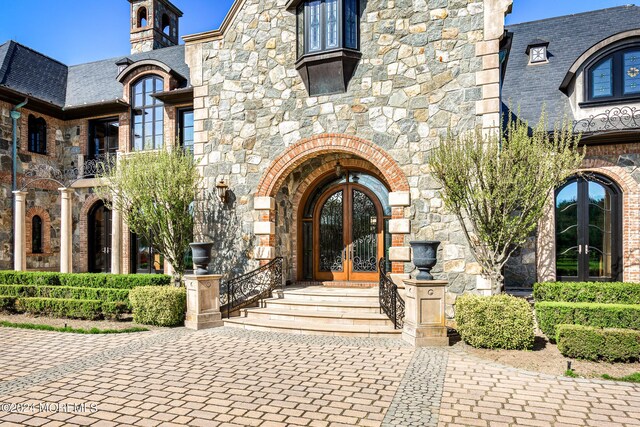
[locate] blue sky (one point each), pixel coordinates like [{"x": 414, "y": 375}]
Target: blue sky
[{"x": 76, "y": 31}]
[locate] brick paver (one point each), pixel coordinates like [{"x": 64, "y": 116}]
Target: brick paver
[{"x": 232, "y": 377}]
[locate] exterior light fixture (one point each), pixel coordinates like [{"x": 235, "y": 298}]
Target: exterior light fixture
[{"x": 221, "y": 190}]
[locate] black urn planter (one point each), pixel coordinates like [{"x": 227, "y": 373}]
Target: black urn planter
[
  {"x": 201, "y": 256},
  {"x": 424, "y": 257}
]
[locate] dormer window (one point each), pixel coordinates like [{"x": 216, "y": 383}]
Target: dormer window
[
  {"x": 616, "y": 76},
  {"x": 328, "y": 43},
  {"x": 537, "y": 51}
]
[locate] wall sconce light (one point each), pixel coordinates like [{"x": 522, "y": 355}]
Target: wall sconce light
[{"x": 221, "y": 190}]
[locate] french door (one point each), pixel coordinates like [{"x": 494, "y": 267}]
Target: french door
[
  {"x": 99, "y": 239},
  {"x": 348, "y": 230},
  {"x": 588, "y": 230}
]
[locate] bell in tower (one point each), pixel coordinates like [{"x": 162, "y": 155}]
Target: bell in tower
[{"x": 154, "y": 25}]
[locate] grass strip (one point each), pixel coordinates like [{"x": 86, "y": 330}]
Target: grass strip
[
  {"x": 33, "y": 326},
  {"x": 633, "y": 378}
]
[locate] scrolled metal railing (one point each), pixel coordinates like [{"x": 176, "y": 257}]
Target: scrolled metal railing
[
  {"x": 391, "y": 303},
  {"x": 251, "y": 287}
]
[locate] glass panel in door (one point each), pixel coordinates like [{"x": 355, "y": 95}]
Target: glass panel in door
[
  {"x": 331, "y": 234},
  {"x": 567, "y": 243},
  {"x": 599, "y": 245},
  {"x": 100, "y": 240},
  {"x": 364, "y": 229}
]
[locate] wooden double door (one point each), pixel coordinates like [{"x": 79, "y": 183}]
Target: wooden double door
[{"x": 348, "y": 227}]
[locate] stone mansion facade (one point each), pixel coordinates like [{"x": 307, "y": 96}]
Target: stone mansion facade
[{"x": 319, "y": 115}]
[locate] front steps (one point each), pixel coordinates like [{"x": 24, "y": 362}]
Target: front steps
[{"x": 318, "y": 310}]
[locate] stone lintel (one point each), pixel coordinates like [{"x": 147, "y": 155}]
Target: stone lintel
[
  {"x": 400, "y": 253},
  {"x": 264, "y": 228},
  {"x": 264, "y": 203},
  {"x": 399, "y": 278},
  {"x": 264, "y": 252},
  {"x": 399, "y": 198},
  {"x": 399, "y": 226}
]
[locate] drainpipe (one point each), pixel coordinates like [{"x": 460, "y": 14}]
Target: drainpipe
[{"x": 15, "y": 116}]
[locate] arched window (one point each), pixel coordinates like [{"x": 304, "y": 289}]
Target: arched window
[
  {"x": 588, "y": 229},
  {"x": 142, "y": 17},
  {"x": 148, "y": 114},
  {"x": 616, "y": 76},
  {"x": 36, "y": 235},
  {"x": 37, "y": 130},
  {"x": 166, "y": 23}
]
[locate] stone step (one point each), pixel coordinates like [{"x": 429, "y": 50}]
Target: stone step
[
  {"x": 369, "y": 306},
  {"x": 313, "y": 328},
  {"x": 332, "y": 294},
  {"x": 325, "y": 317}
]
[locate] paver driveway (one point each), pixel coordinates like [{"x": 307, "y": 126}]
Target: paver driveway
[{"x": 229, "y": 377}]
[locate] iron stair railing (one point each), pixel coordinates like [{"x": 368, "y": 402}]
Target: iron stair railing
[
  {"x": 391, "y": 303},
  {"x": 249, "y": 288}
]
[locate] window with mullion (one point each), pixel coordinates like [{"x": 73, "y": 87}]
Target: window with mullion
[
  {"x": 148, "y": 115},
  {"x": 616, "y": 76},
  {"x": 326, "y": 25}
]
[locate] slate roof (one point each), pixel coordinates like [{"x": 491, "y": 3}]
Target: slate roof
[
  {"x": 530, "y": 87},
  {"x": 27, "y": 71}
]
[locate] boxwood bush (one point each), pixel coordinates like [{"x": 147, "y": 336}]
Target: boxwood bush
[
  {"x": 610, "y": 345},
  {"x": 83, "y": 280},
  {"x": 57, "y": 307},
  {"x": 602, "y": 292},
  {"x": 158, "y": 305},
  {"x": 551, "y": 314},
  {"x": 66, "y": 292},
  {"x": 498, "y": 321}
]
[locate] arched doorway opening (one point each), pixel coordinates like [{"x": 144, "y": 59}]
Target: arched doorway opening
[
  {"x": 344, "y": 227},
  {"x": 588, "y": 212},
  {"x": 99, "y": 241}
]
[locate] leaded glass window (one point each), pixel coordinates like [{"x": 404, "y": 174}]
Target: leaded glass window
[
  {"x": 601, "y": 79},
  {"x": 632, "y": 72},
  {"x": 326, "y": 25},
  {"x": 351, "y": 24},
  {"x": 314, "y": 25}
]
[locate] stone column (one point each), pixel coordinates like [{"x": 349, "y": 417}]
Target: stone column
[
  {"x": 424, "y": 322},
  {"x": 203, "y": 301},
  {"x": 116, "y": 242},
  {"x": 20, "y": 231},
  {"x": 66, "y": 231},
  {"x": 399, "y": 227},
  {"x": 265, "y": 228}
]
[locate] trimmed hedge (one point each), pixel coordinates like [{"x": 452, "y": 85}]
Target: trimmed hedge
[
  {"x": 551, "y": 314},
  {"x": 585, "y": 342},
  {"x": 71, "y": 308},
  {"x": 66, "y": 292},
  {"x": 601, "y": 292},
  {"x": 161, "y": 306},
  {"x": 498, "y": 321},
  {"x": 84, "y": 280}
]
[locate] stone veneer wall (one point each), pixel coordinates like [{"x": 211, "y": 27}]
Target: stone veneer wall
[{"x": 426, "y": 66}]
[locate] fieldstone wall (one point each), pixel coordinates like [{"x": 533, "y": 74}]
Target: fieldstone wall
[{"x": 418, "y": 76}]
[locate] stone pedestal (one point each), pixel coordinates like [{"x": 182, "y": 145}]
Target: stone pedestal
[
  {"x": 203, "y": 302},
  {"x": 424, "y": 322}
]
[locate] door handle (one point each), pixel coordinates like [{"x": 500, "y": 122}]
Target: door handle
[
  {"x": 586, "y": 249},
  {"x": 580, "y": 249}
]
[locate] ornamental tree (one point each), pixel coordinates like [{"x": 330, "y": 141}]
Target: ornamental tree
[
  {"x": 497, "y": 185},
  {"x": 155, "y": 192}
]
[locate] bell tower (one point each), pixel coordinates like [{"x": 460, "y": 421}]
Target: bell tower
[{"x": 154, "y": 25}]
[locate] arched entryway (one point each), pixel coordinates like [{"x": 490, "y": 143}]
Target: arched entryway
[
  {"x": 344, "y": 227},
  {"x": 99, "y": 238},
  {"x": 588, "y": 213}
]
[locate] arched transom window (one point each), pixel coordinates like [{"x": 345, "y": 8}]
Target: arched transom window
[
  {"x": 148, "y": 114},
  {"x": 616, "y": 76}
]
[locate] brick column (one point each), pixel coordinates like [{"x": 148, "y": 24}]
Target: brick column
[
  {"x": 66, "y": 231},
  {"x": 20, "y": 232},
  {"x": 399, "y": 227},
  {"x": 265, "y": 228}
]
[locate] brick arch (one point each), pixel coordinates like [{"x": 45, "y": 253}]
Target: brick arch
[
  {"x": 46, "y": 229},
  {"x": 318, "y": 145},
  {"x": 630, "y": 221},
  {"x": 83, "y": 230}
]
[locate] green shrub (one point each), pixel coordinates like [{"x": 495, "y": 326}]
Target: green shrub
[
  {"x": 66, "y": 292},
  {"x": 162, "y": 306},
  {"x": 585, "y": 342},
  {"x": 7, "y": 302},
  {"x": 551, "y": 314},
  {"x": 83, "y": 280},
  {"x": 602, "y": 292},
  {"x": 75, "y": 309},
  {"x": 499, "y": 321},
  {"x": 29, "y": 278}
]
